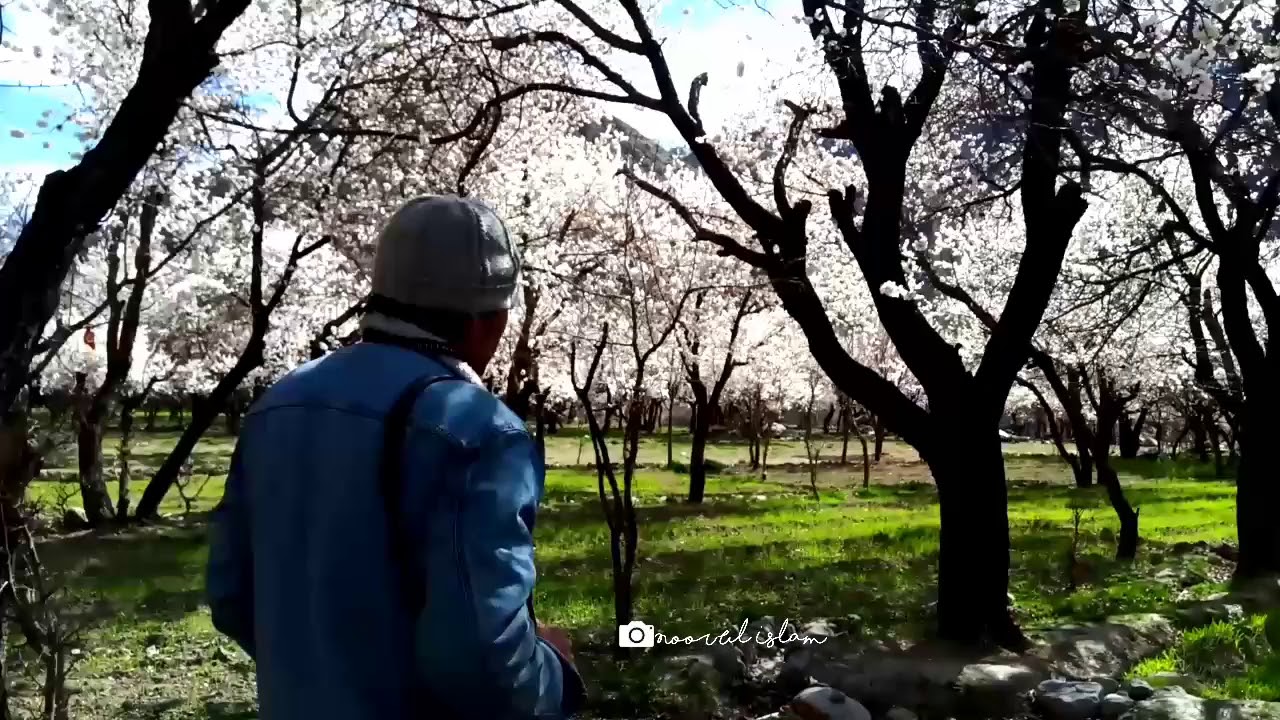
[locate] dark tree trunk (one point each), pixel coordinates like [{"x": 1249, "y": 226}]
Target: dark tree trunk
[
  {"x": 93, "y": 486},
  {"x": 866, "y": 458},
  {"x": 1257, "y": 488},
  {"x": 1215, "y": 444},
  {"x": 826, "y": 420},
  {"x": 973, "y": 550},
  {"x": 1129, "y": 441},
  {"x": 698, "y": 457},
  {"x": 90, "y": 421},
  {"x": 1199, "y": 436},
  {"x": 1083, "y": 467},
  {"x": 153, "y": 410},
  {"x": 878, "y": 428},
  {"x": 1127, "y": 544}
]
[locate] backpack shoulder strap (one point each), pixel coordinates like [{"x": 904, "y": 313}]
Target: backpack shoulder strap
[{"x": 391, "y": 485}]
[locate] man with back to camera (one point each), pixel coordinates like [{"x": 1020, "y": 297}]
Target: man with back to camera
[{"x": 373, "y": 549}]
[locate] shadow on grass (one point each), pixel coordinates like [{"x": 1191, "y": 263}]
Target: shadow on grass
[
  {"x": 1182, "y": 468},
  {"x": 886, "y": 579},
  {"x": 149, "y": 573},
  {"x": 583, "y": 509}
]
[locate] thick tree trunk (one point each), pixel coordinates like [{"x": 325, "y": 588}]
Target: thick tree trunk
[
  {"x": 1127, "y": 545},
  {"x": 973, "y": 551},
  {"x": 878, "y": 427},
  {"x": 1199, "y": 436},
  {"x": 826, "y": 420},
  {"x": 153, "y": 409},
  {"x": 1129, "y": 441},
  {"x": 1258, "y": 487},
  {"x": 698, "y": 456},
  {"x": 93, "y": 486},
  {"x": 1083, "y": 467}
]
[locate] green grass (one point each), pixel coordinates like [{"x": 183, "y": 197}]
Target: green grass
[
  {"x": 1230, "y": 660},
  {"x": 756, "y": 547}
]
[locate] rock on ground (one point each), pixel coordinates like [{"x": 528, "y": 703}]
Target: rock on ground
[
  {"x": 1140, "y": 689},
  {"x": 1115, "y": 705},
  {"x": 825, "y": 703},
  {"x": 899, "y": 713},
  {"x": 994, "y": 689},
  {"x": 1174, "y": 703},
  {"x": 1107, "y": 648},
  {"x": 1109, "y": 684},
  {"x": 1068, "y": 699}
]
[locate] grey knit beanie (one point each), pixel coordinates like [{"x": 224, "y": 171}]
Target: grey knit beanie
[{"x": 442, "y": 252}]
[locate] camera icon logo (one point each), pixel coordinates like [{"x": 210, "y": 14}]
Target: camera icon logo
[{"x": 635, "y": 634}]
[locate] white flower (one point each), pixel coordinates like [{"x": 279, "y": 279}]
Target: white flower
[{"x": 894, "y": 290}]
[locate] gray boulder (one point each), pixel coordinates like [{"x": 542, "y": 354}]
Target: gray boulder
[
  {"x": 728, "y": 660},
  {"x": 826, "y": 703},
  {"x": 820, "y": 630},
  {"x": 995, "y": 689},
  {"x": 1114, "y": 705},
  {"x": 1108, "y": 648},
  {"x": 1174, "y": 703},
  {"x": 1109, "y": 684},
  {"x": 1068, "y": 699},
  {"x": 899, "y": 713},
  {"x": 696, "y": 682},
  {"x": 793, "y": 675},
  {"x": 721, "y": 664},
  {"x": 1140, "y": 690}
]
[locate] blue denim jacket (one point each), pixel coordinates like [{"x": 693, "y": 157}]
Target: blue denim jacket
[{"x": 300, "y": 573}]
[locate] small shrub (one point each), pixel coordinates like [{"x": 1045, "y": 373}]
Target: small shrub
[
  {"x": 1164, "y": 662},
  {"x": 1215, "y": 651}
]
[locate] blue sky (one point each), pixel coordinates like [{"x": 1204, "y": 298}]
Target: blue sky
[{"x": 27, "y": 92}]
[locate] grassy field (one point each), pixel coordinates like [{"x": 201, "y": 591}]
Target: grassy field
[{"x": 756, "y": 547}]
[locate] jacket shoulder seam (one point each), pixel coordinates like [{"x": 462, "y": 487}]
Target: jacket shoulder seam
[{"x": 413, "y": 426}]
